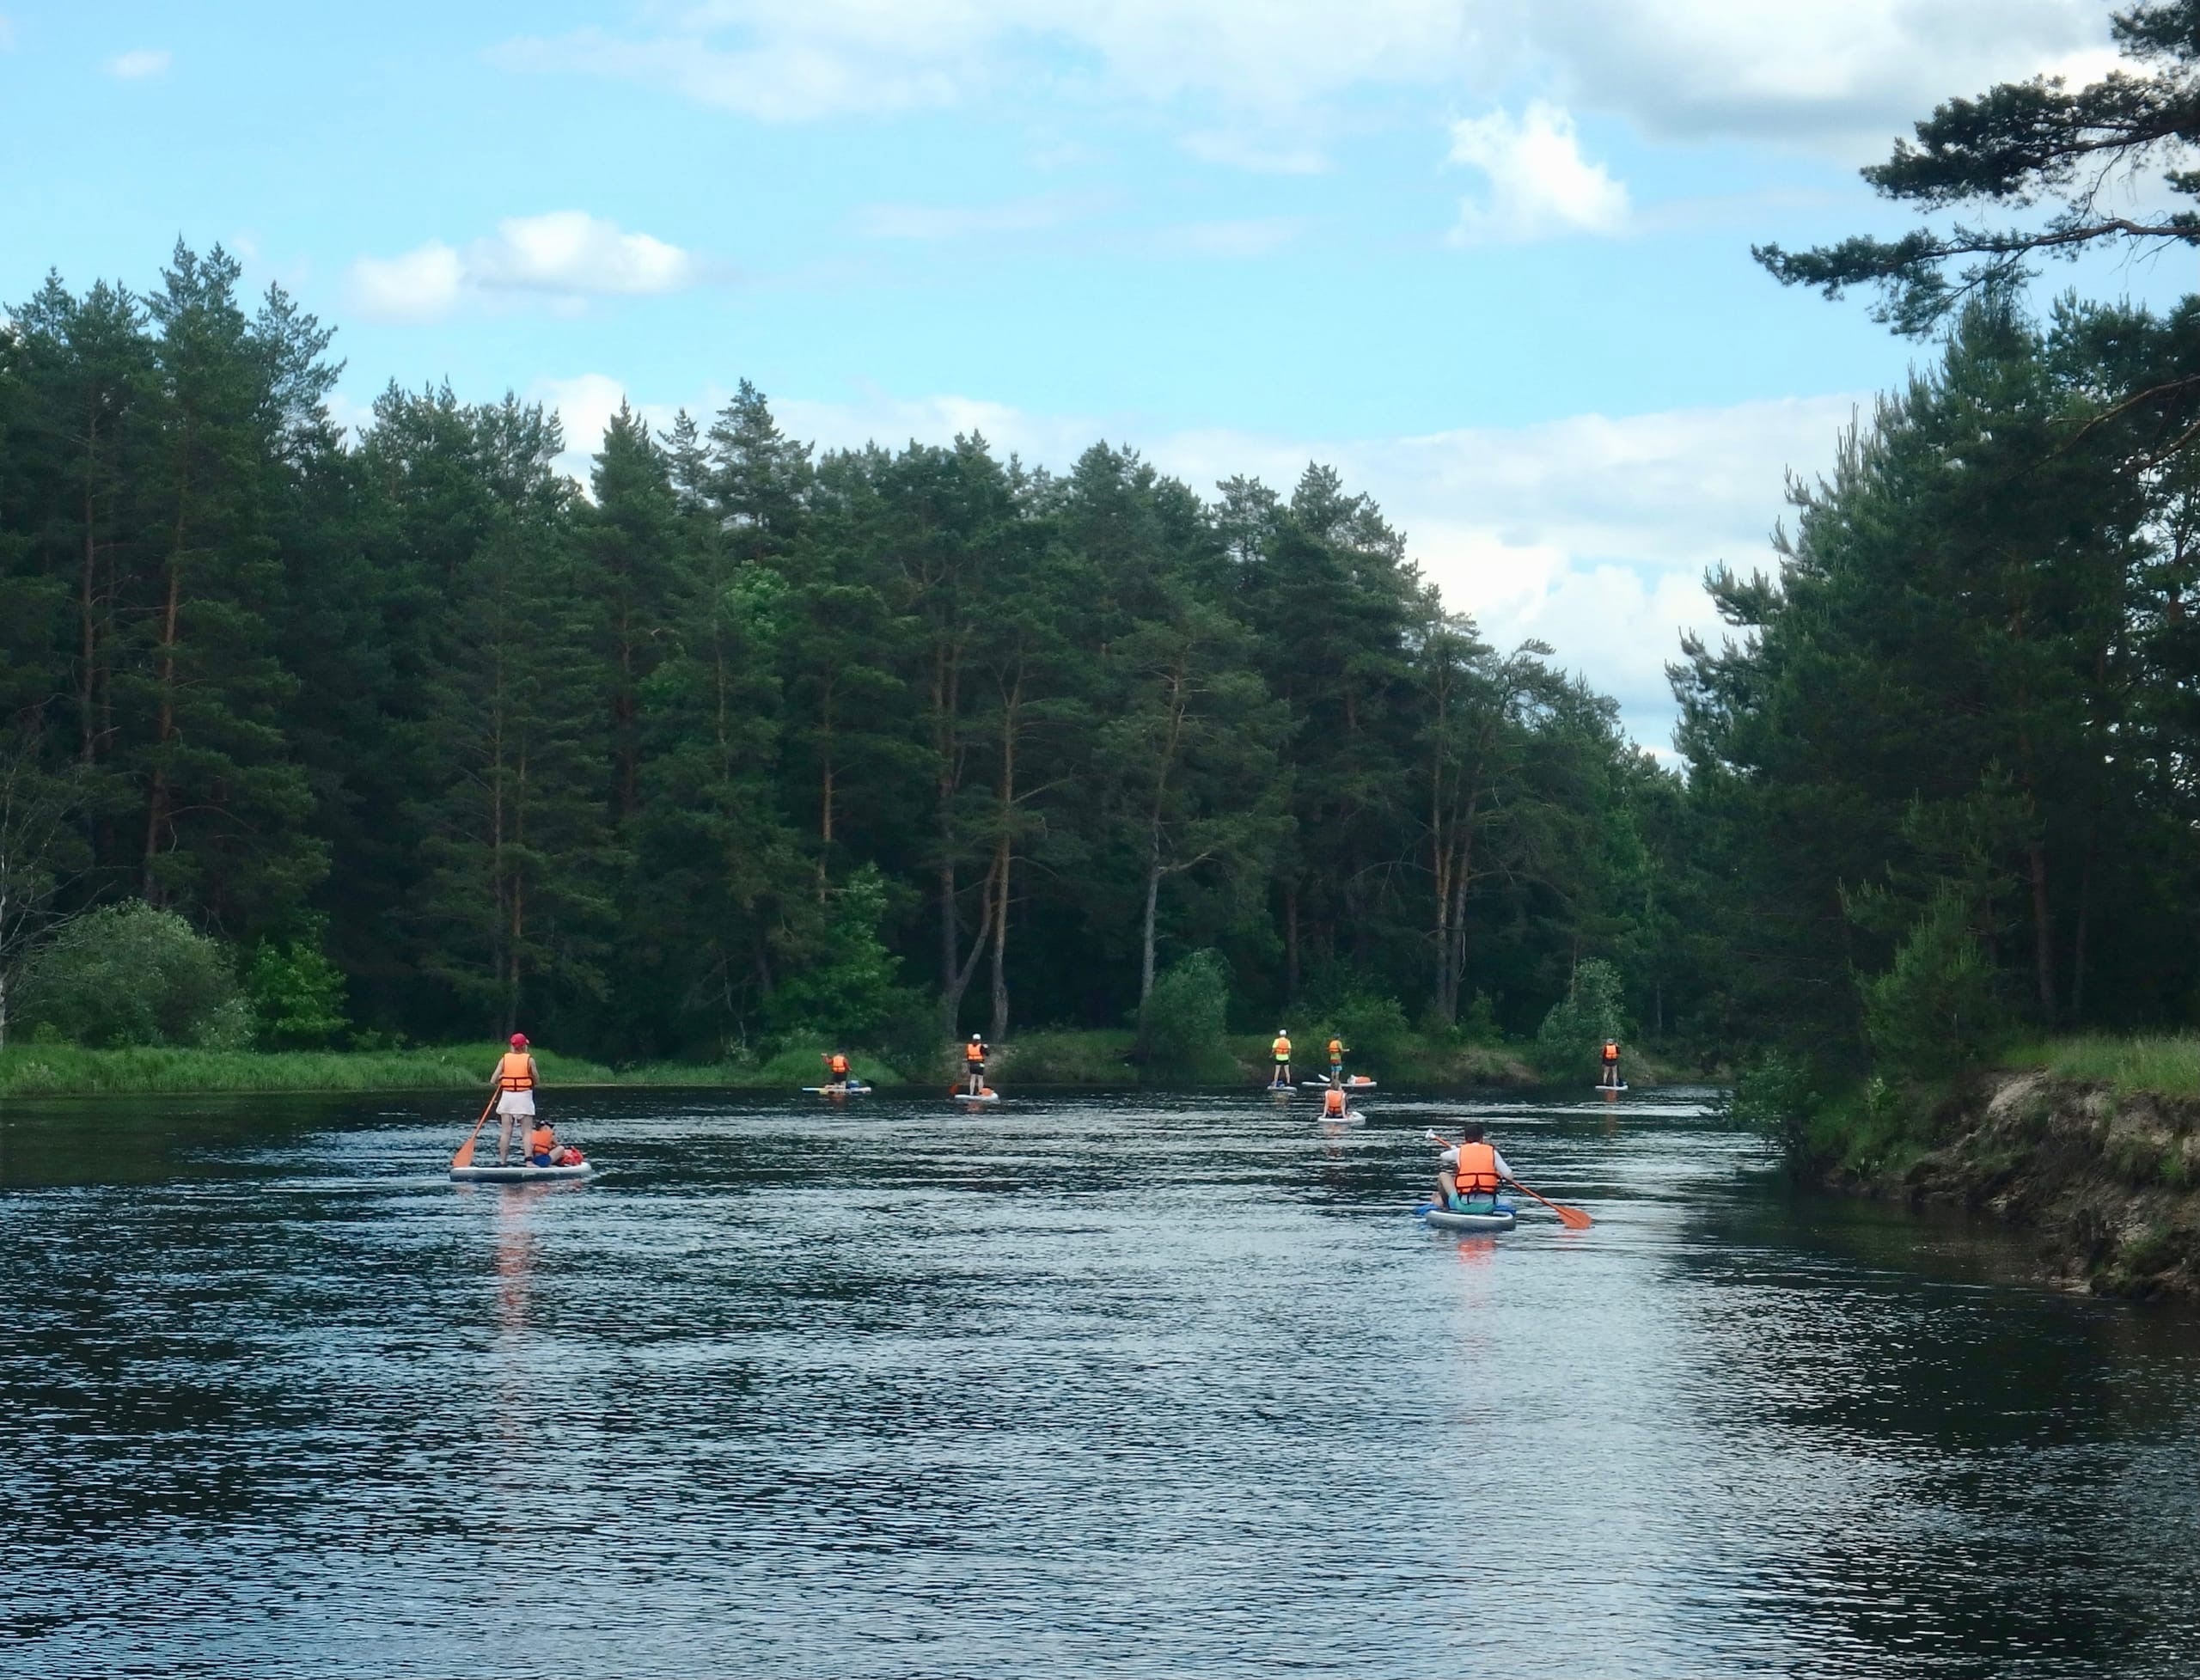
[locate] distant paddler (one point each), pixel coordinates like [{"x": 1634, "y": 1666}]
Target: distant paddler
[
  {"x": 1336, "y": 1060},
  {"x": 513, "y": 1082},
  {"x": 1333, "y": 1105},
  {"x": 1608, "y": 1066},
  {"x": 1281, "y": 1051},
  {"x": 837, "y": 1071},
  {"x": 973, "y": 1065}
]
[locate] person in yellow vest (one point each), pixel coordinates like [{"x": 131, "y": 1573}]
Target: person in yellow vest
[
  {"x": 974, "y": 1063},
  {"x": 1469, "y": 1173},
  {"x": 837, "y": 1071},
  {"x": 1337, "y": 1061},
  {"x": 1608, "y": 1061},
  {"x": 513, "y": 1082},
  {"x": 1281, "y": 1049},
  {"x": 1333, "y": 1103}
]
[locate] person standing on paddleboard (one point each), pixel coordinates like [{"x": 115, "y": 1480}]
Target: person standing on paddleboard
[
  {"x": 1336, "y": 1060},
  {"x": 1609, "y": 1061},
  {"x": 1281, "y": 1050},
  {"x": 513, "y": 1082},
  {"x": 974, "y": 1063}
]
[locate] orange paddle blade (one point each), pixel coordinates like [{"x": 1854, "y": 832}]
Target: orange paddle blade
[
  {"x": 1571, "y": 1218},
  {"x": 465, "y": 1156}
]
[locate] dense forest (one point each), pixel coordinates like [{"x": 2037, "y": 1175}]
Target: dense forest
[{"x": 739, "y": 741}]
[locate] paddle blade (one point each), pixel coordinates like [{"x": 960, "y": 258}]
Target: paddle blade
[
  {"x": 1571, "y": 1218},
  {"x": 465, "y": 1156}
]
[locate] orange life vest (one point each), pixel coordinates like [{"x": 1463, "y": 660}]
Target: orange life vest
[
  {"x": 1476, "y": 1173},
  {"x": 541, "y": 1140},
  {"x": 1336, "y": 1049},
  {"x": 515, "y": 1072},
  {"x": 1334, "y": 1102},
  {"x": 839, "y": 1066},
  {"x": 974, "y": 1053},
  {"x": 1283, "y": 1049},
  {"x": 1612, "y": 1053}
]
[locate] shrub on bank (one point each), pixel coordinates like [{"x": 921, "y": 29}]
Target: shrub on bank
[{"x": 130, "y": 975}]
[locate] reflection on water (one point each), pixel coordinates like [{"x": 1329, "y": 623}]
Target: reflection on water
[{"x": 1096, "y": 1384}]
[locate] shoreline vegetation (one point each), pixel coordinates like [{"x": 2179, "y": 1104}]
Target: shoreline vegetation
[{"x": 1058, "y": 1059}]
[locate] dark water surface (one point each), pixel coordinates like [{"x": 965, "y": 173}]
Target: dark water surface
[{"x": 1085, "y": 1385}]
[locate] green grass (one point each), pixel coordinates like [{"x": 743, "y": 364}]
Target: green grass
[
  {"x": 64, "y": 1069},
  {"x": 2160, "y": 1064}
]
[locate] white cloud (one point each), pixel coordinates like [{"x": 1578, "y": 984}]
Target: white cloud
[
  {"x": 565, "y": 255},
  {"x": 422, "y": 285},
  {"x": 1815, "y": 71},
  {"x": 1539, "y": 183},
  {"x": 140, "y": 65},
  {"x": 585, "y": 405}
]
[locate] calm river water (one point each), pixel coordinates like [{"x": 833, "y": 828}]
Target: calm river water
[{"x": 1087, "y": 1385}]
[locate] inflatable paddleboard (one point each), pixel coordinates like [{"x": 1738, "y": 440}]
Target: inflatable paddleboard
[
  {"x": 990, "y": 1097},
  {"x": 520, "y": 1175},
  {"x": 1357, "y": 1082},
  {"x": 836, "y": 1090},
  {"x": 1349, "y": 1117},
  {"x": 1502, "y": 1219},
  {"x": 1621, "y": 1086}
]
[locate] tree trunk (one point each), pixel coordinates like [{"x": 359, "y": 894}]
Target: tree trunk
[
  {"x": 1291, "y": 941},
  {"x": 1146, "y": 948},
  {"x": 156, "y": 801},
  {"x": 2043, "y": 930}
]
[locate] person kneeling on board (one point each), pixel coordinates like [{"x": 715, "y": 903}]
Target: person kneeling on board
[
  {"x": 513, "y": 1082},
  {"x": 542, "y": 1144},
  {"x": 1333, "y": 1103},
  {"x": 1471, "y": 1171}
]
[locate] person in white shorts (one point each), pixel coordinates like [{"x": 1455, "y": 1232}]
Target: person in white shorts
[{"x": 513, "y": 1082}]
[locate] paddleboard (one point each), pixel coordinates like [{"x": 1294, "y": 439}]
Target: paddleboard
[
  {"x": 1445, "y": 1220},
  {"x": 1349, "y": 1117},
  {"x": 1618, "y": 1087},
  {"x": 836, "y": 1090},
  {"x": 1356, "y": 1083},
  {"x": 519, "y": 1174},
  {"x": 990, "y": 1097}
]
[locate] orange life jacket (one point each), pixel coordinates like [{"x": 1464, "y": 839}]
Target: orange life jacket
[
  {"x": 1476, "y": 1173},
  {"x": 1336, "y": 1049},
  {"x": 1612, "y": 1053},
  {"x": 541, "y": 1140},
  {"x": 515, "y": 1072},
  {"x": 1283, "y": 1049},
  {"x": 974, "y": 1053},
  {"x": 839, "y": 1066},
  {"x": 1334, "y": 1102}
]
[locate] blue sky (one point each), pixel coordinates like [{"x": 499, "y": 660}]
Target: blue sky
[{"x": 1490, "y": 257}]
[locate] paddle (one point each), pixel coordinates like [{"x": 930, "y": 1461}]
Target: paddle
[
  {"x": 465, "y": 1156},
  {"x": 1571, "y": 1218}
]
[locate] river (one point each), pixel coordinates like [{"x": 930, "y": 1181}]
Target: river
[{"x": 1111, "y": 1384}]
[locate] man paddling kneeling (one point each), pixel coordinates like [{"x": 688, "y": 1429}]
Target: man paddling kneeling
[
  {"x": 513, "y": 1082},
  {"x": 1470, "y": 1169}
]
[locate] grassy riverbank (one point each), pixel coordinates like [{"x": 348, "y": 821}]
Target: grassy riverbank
[{"x": 1057, "y": 1057}]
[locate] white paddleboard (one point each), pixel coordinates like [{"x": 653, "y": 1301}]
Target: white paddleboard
[
  {"x": 1617, "y": 1087},
  {"x": 520, "y": 1175},
  {"x": 836, "y": 1090},
  {"x": 990, "y": 1097}
]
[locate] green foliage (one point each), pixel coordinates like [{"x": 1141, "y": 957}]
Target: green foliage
[
  {"x": 593, "y": 763},
  {"x": 130, "y": 974},
  {"x": 1937, "y": 1008},
  {"x": 1572, "y": 1036},
  {"x": 846, "y": 987},
  {"x": 1189, "y": 1016},
  {"x": 1374, "y": 1029},
  {"x": 297, "y": 995},
  {"x": 1776, "y": 1096}
]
